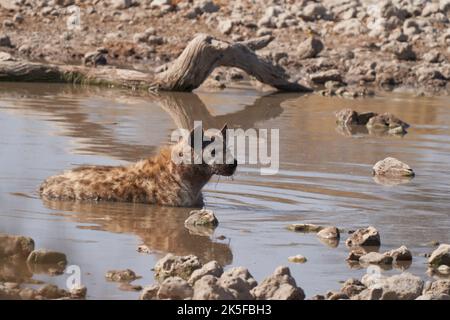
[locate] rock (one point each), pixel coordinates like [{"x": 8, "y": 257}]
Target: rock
[
  {"x": 175, "y": 288},
  {"x": 329, "y": 233},
  {"x": 225, "y": 26},
  {"x": 297, "y": 259},
  {"x": 429, "y": 9},
  {"x": 433, "y": 297},
  {"x": 349, "y": 117},
  {"x": 149, "y": 293},
  {"x": 160, "y": 3},
  {"x": 144, "y": 249},
  {"x": 323, "y": 76},
  {"x": 404, "y": 51},
  {"x": 400, "y": 254},
  {"x": 125, "y": 286},
  {"x": 65, "y": 3},
  {"x": 78, "y": 292},
  {"x": 387, "y": 121},
  {"x": 314, "y": 11},
  {"x": 351, "y": 27},
  {"x": 126, "y": 275},
  {"x": 440, "y": 256},
  {"x": 354, "y": 256},
  {"x": 391, "y": 167},
  {"x": 239, "y": 282},
  {"x": 155, "y": 40},
  {"x": 212, "y": 268},
  {"x": 27, "y": 294},
  {"x": 304, "y": 227},
  {"x": 279, "y": 286},
  {"x": 43, "y": 256},
  {"x": 263, "y": 32},
  {"x": 50, "y": 291},
  {"x": 369, "y": 294},
  {"x": 352, "y": 287},
  {"x": 96, "y": 58},
  {"x": 5, "y": 41},
  {"x": 364, "y": 237},
  {"x": 404, "y": 286},
  {"x": 309, "y": 48},
  {"x": 438, "y": 287},
  {"x": 202, "y": 217},
  {"x": 375, "y": 258},
  {"x": 8, "y": 24},
  {"x": 208, "y": 288},
  {"x": 337, "y": 296},
  {"x": 443, "y": 269},
  {"x": 433, "y": 56},
  {"x": 140, "y": 37},
  {"x": 15, "y": 246},
  {"x": 121, "y": 4},
  {"x": 207, "y": 6},
  {"x": 172, "y": 266},
  {"x": 24, "y": 49}
]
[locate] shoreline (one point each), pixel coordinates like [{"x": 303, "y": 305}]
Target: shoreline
[{"x": 345, "y": 48}]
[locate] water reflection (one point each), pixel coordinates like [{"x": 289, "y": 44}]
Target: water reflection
[{"x": 161, "y": 229}]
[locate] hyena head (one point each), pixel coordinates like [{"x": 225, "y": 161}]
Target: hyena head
[{"x": 205, "y": 153}]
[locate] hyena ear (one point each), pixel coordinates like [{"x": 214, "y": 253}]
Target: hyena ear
[
  {"x": 223, "y": 131},
  {"x": 196, "y": 134}
]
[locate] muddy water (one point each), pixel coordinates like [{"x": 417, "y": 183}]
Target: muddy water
[{"x": 324, "y": 178}]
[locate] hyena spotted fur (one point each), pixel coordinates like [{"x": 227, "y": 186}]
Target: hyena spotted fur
[{"x": 156, "y": 180}]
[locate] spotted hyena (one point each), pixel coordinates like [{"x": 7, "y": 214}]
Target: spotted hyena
[{"x": 157, "y": 180}]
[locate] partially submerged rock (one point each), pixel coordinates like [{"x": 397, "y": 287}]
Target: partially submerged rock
[
  {"x": 78, "y": 292},
  {"x": 304, "y": 227},
  {"x": 375, "y": 258},
  {"x": 201, "y": 222},
  {"x": 175, "y": 288},
  {"x": 364, "y": 237},
  {"x": 440, "y": 256},
  {"x": 43, "y": 256},
  {"x": 297, "y": 259},
  {"x": 126, "y": 275},
  {"x": 172, "y": 266},
  {"x": 349, "y": 117},
  {"x": 279, "y": 286},
  {"x": 374, "y": 123},
  {"x": 387, "y": 122},
  {"x": 400, "y": 254},
  {"x": 391, "y": 181},
  {"x": 391, "y": 167},
  {"x": 50, "y": 291},
  {"x": 15, "y": 246},
  {"x": 329, "y": 233},
  {"x": 202, "y": 217},
  {"x": 125, "y": 286}
]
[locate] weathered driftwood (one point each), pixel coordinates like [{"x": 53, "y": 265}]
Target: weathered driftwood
[
  {"x": 24, "y": 71},
  {"x": 186, "y": 73}
]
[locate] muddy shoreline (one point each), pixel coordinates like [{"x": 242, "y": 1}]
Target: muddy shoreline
[
  {"x": 187, "y": 277},
  {"x": 345, "y": 48}
]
